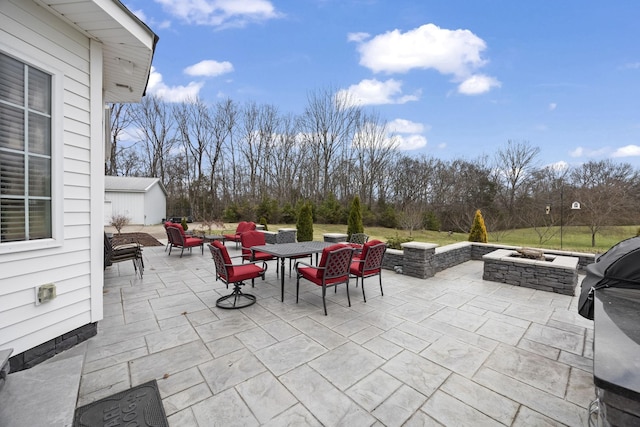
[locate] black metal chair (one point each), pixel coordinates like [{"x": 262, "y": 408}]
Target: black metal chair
[
  {"x": 123, "y": 252},
  {"x": 332, "y": 271},
  {"x": 369, "y": 263},
  {"x": 235, "y": 274}
]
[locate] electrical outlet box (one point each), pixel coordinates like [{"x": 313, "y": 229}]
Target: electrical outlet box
[{"x": 45, "y": 293}]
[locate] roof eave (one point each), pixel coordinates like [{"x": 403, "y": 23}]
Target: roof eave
[{"x": 128, "y": 43}]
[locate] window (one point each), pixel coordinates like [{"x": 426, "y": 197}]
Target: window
[{"x": 25, "y": 152}]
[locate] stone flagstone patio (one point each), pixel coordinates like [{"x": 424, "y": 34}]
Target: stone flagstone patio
[{"x": 451, "y": 350}]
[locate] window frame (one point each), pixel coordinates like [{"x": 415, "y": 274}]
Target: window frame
[{"x": 57, "y": 147}]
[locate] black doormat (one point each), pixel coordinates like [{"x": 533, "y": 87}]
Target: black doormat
[{"x": 139, "y": 406}]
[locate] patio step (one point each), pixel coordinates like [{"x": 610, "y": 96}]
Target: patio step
[{"x": 44, "y": 395}]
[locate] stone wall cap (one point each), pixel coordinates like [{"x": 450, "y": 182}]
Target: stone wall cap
[
  {"x": 395, "y": 251},
  {"x": 453, "y": 246},
  {"x": 335, "y": 234},
  {"x": 556, "y": 261},
  {"x": 419, "y": 245}
]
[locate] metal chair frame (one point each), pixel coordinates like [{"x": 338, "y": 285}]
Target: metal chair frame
[
  {"x": 334, "y": 272},
  {"x": 235, "y": 274},
  {"x": 123, "y": 252},
  {"x": 177, "y": 240},
  {"x": 371, "y": 265}
]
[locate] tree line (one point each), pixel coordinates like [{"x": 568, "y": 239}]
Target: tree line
[{"x": 232, "y": 162}]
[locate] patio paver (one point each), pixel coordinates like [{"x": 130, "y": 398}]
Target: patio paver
[{"x": 449, "y": 350}]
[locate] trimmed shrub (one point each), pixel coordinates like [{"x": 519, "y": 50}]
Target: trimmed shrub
[
  {"x": 305, "y": 223},
  {"x": 354, "y": 222},
  {"x": 396, "y": 241},
  {"x": 478, "y": 231},
  {"x": 263, "y": 222},
  {"x": 430, "y": 221}
]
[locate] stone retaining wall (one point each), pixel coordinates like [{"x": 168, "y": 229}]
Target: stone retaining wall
[
  {"x": 418, "y": 260},
  {"x": 557, "y": 274}
]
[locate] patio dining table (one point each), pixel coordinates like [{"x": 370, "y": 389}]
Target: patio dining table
[{"x": 289, "y": 250}]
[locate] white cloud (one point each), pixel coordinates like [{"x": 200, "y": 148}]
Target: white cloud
[
  {"x": 375, "y": 92},
  {"x": 221, "y": 13},
  {"x": 411, "y": 142},
  {"x": 442, "y": 145},
  {"x": 627, "y": 151},
  {"x": 477, "y": 84},
  {"x": 209, "y": 68},
  {"x": 172, "y": 93},
  {"x": 450, "y": 52},
  {"x": 559, "y": 166},
  {"x": 408, "y": 134},
  {"x": 588, "y": 152},
  {"x": 632, "y": 66},
  {"x": 552, "y": 106},
  {"x": 357, "y": 37},
  {"x": 429, "y": 46},
  {"x": 405, "y": 126},
  {"x": 152, "y": 22},
  {"x": 577, "y": 152}
]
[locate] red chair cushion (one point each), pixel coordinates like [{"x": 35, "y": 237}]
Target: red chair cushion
[
  {"x": 250, "y": 239},
  {"x": 244, "y": 271},
  {"x": 262, "y": 256},
  {"x": 357, "y": 266},
  {"x": 323, "y": 259},
  {"x": 223, "y": 250},
  {"x": 178, "y": 226},
  {"x": 242, "y": 227},
  {"x": 192, "y": 241},
  {"x": 356, "y": 269}
]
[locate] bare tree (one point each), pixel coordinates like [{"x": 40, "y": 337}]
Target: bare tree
[
  {"x": 120, "y": 120},
  {"x": 155, "y": 123},
  {"x": 604, "y": 190},
  {"x": 286, "y": 162},
  {"x": 374, "y": 150},
  {"x": 514, "y": 165},
  {"x": 328, "y": 125}
]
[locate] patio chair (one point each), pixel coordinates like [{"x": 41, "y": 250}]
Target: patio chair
[
  {"x": 369, "y": 263},
  {"x": 167, "y": 224},
  {"x": 235, "y": 274},
  {"x": 332, "y": 270},
  {"x": 249, "y": 239},
  {"x": 123, "y": 252},
  {"x": 178, "y": 239},
  {"x": 289, "y": 236},
  {"x": 357, "y": 240},
  {"x": 242, "y": 227}
]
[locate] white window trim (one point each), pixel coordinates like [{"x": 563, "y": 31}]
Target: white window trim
[{"x": 57, "y": 159}]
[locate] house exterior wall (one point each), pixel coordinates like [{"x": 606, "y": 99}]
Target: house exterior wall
[
  {"x": 155, "y": 205},
  {"x": 73, "y": 260}
]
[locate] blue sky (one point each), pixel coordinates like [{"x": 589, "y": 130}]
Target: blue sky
[{"x": 454, "y": 79}]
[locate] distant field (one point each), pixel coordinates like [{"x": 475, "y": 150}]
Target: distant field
[{"x": 573, "y": 238}]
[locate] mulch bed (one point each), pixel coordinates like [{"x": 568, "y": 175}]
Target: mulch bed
[{"x": 143, "y": 238}]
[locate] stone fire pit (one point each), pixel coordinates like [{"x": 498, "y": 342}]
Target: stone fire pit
[{"x": 554, "y": 273}]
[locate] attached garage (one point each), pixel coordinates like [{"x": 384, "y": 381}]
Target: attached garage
[{"x": 142, "y": 200}]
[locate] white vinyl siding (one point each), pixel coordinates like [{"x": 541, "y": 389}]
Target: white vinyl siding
[
  {"x": 142, "y": 200},
  {"x": 29, "y": 33},
  {"x": 155, "y": 205}
]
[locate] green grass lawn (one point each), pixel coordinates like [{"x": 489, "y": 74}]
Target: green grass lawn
[{"x": 574, "y": 238}]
